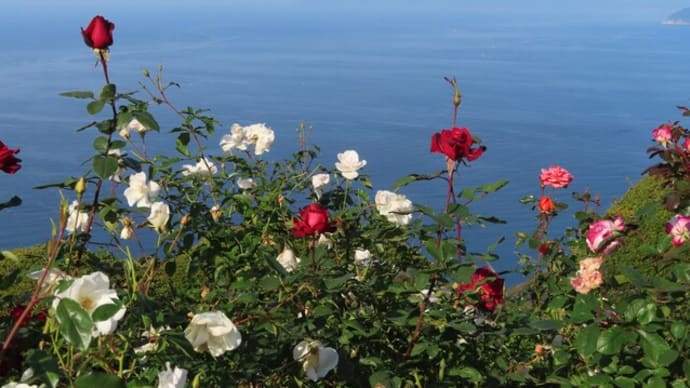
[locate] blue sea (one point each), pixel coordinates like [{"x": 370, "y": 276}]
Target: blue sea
[{"x": 583, "y": 93}]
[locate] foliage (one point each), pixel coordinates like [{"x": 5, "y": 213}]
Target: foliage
[{"x": 248, "y": 271}]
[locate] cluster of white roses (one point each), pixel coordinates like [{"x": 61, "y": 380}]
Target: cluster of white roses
[
  {"x": 258, "y": 135},
  {"x": 143, "y": 193}
]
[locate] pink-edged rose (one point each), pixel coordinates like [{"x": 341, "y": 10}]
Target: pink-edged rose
[
  {"x": 679, "y": 229},
  {"x": 588, "y": 277},
  {"x": 490, "y": 290},
  {"x": 313, "y": 219},
  {"x": 555, "y": 176},
  {"x": 456, "y": 144},
  {"x": 99, "y": 33},
  {"x": 600, "y": 234},
  {"x": 8, "y": 162},
  {"x": 686, "y": 144},
  {"x": 662, "y": 134}
]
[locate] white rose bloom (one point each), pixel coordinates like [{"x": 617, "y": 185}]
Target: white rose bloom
[
  {"x": 261, "y": 136},
  {"x": 323, "y": 240},
  {"x": 236, "y": 139},
  {"x": 348, "y": 163},
  {"x": 160, "y": 214},
  {"x": 117, "y": 175},
  {"x": 91, "y": 292},
  {"x": 395, "y": 207},
  {"x": 362, "y": 256},
  {"x": 139, "y": 192},
  {"x": 203, "y": 167},
  {"x": 18, "y": 385},
  {"x": 172, "y": 378},
  {"x": 137, "y": 126},
  {"x": 213, "y": 331},
  {"x": 52, "y": 279},
  {"x": 288, "y": 260},
  {"x": 76, "y": 219},
  {"x": 318, "y": 181},
  {"x": 153, "y": 337},
  {"x": 316, "y": 360},
  {"x": 245, "y": 183}
]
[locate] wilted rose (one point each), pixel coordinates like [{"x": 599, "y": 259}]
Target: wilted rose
[
  {"x": 456, "y": 144},
  {"x": 312, "y": 220},
  {"x": 8, "y": 162},
  {"x": 99, "y": 33},
  {"x": 490, "y": 291}
]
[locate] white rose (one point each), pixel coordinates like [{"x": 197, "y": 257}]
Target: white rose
[
  {"x": 261, "y": 136},
  {"x": 160, "y": 214},
  {"x": 288, "y": 260},
  {"x": 139, "y": 192},
  {"x": 316, "y": 360},
  {"x": 362, "y": 256},
  {"x": 348, "y": 164},
  {"x": 172, "y": 378},
  {"x": 213, "y": 331},
  {"x": 76, "y": 219},
  {"x": 236, "y": 139},
  {"x": 53, "y": 277},
  {"x": 395, "y": 207},
  {"x": 323, "y": 240},
  {"x": 203, "y": 167},
  {"x": 136, "y": 126},
  {"x": 245, "y": 183},
  {"x": 318, "y": 181},
  {"x": 91, "y": 292}
]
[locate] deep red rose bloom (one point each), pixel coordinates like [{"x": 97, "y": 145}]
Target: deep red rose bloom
[
  {"x": 546, "y": 204},
  {"x": 99, "y": 33},
  {"x": 490, "y": 292},
  {"x": 312, "y": 220},
  {"x": 456, "y": 144},
  {"x": 8, "y": 162}
]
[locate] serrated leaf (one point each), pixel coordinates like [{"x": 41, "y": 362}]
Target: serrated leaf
[
  {"x": 94, "y": 107},
  {"x": 586, "y": 340},
  {"x": 78, "y": 94},
  {"x": 76, "y": 325},
  {"x": 100, "y": 380},
  {"x": 105, "y": 166},
  {"x": 105, "y": 312},
  {"x": 611, "y": 341}
]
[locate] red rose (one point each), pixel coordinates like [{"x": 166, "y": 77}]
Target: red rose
[
  {"x": 312, "y": 220},
  {"x": 8, "y": 162},
  {"x": 456, "y": 144},
  {"x": 546, "y": 204},
  {"x": 490, "y": 292},
  {"x": 99, "y": 33}
]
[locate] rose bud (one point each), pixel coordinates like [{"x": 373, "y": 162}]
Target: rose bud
[{"x": 99, "y": 33}]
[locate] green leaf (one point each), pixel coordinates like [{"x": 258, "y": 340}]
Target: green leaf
[
  {"x": 94, "y": 107},
  {"x": 181, "y": 144},
  {"x": 337, "y": 282},
  {"x": 586, "y": 340},
  {"x": 105, "y": 312},
  {"x": 147, "y": 120},
  {"x": 611, "y": 341},
  {"x": 544, "y": 325},
  {"x": 78, "y": 94},
  {"x": 656, "y": 349},
  {"x": 107, "y": 92},
  {"x": 105, "y": 166},
  {"x": 45, "y": 367},
  {"x": 269, "y": 283},
  {"x": 76, "y": 325},
  {"x": 100, "y": 144},
  {"x": 13, "y": 202},
  {"x": 492, "y": 187},
  {"x": 100, "y": 380},
  {"x": 642, "y": 310}
]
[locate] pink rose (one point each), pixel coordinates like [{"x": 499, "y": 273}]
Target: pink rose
[
  {"x": 555, "y": 176},
  {"x": 588, "y": 277},
  {"x": 600, "y": 234},
  {"x": 679, "y": 229},
  {"x": 662, "y": 135},
  {"x": 312, "y": 220}
]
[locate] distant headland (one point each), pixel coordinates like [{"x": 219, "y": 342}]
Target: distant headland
[{"x": 681, "y": 17}]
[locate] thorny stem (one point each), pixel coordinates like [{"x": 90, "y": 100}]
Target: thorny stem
[
  {"x": 420, "y": 318},
  {"x": 54, "y": 248}
]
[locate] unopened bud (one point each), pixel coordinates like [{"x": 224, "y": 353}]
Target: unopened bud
[
  {"x": 80, "y": 187},
  {"x": 216, "y": 213},
  {"x": 146, "y": 73},
  {"x": 457, "y": 98},
  {"x": 185, "y": 220}
]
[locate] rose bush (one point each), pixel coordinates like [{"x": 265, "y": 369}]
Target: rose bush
[{"x": 189, "y": 269}]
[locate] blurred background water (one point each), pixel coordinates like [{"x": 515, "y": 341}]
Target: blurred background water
[{"x": 541, "y": 86}]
